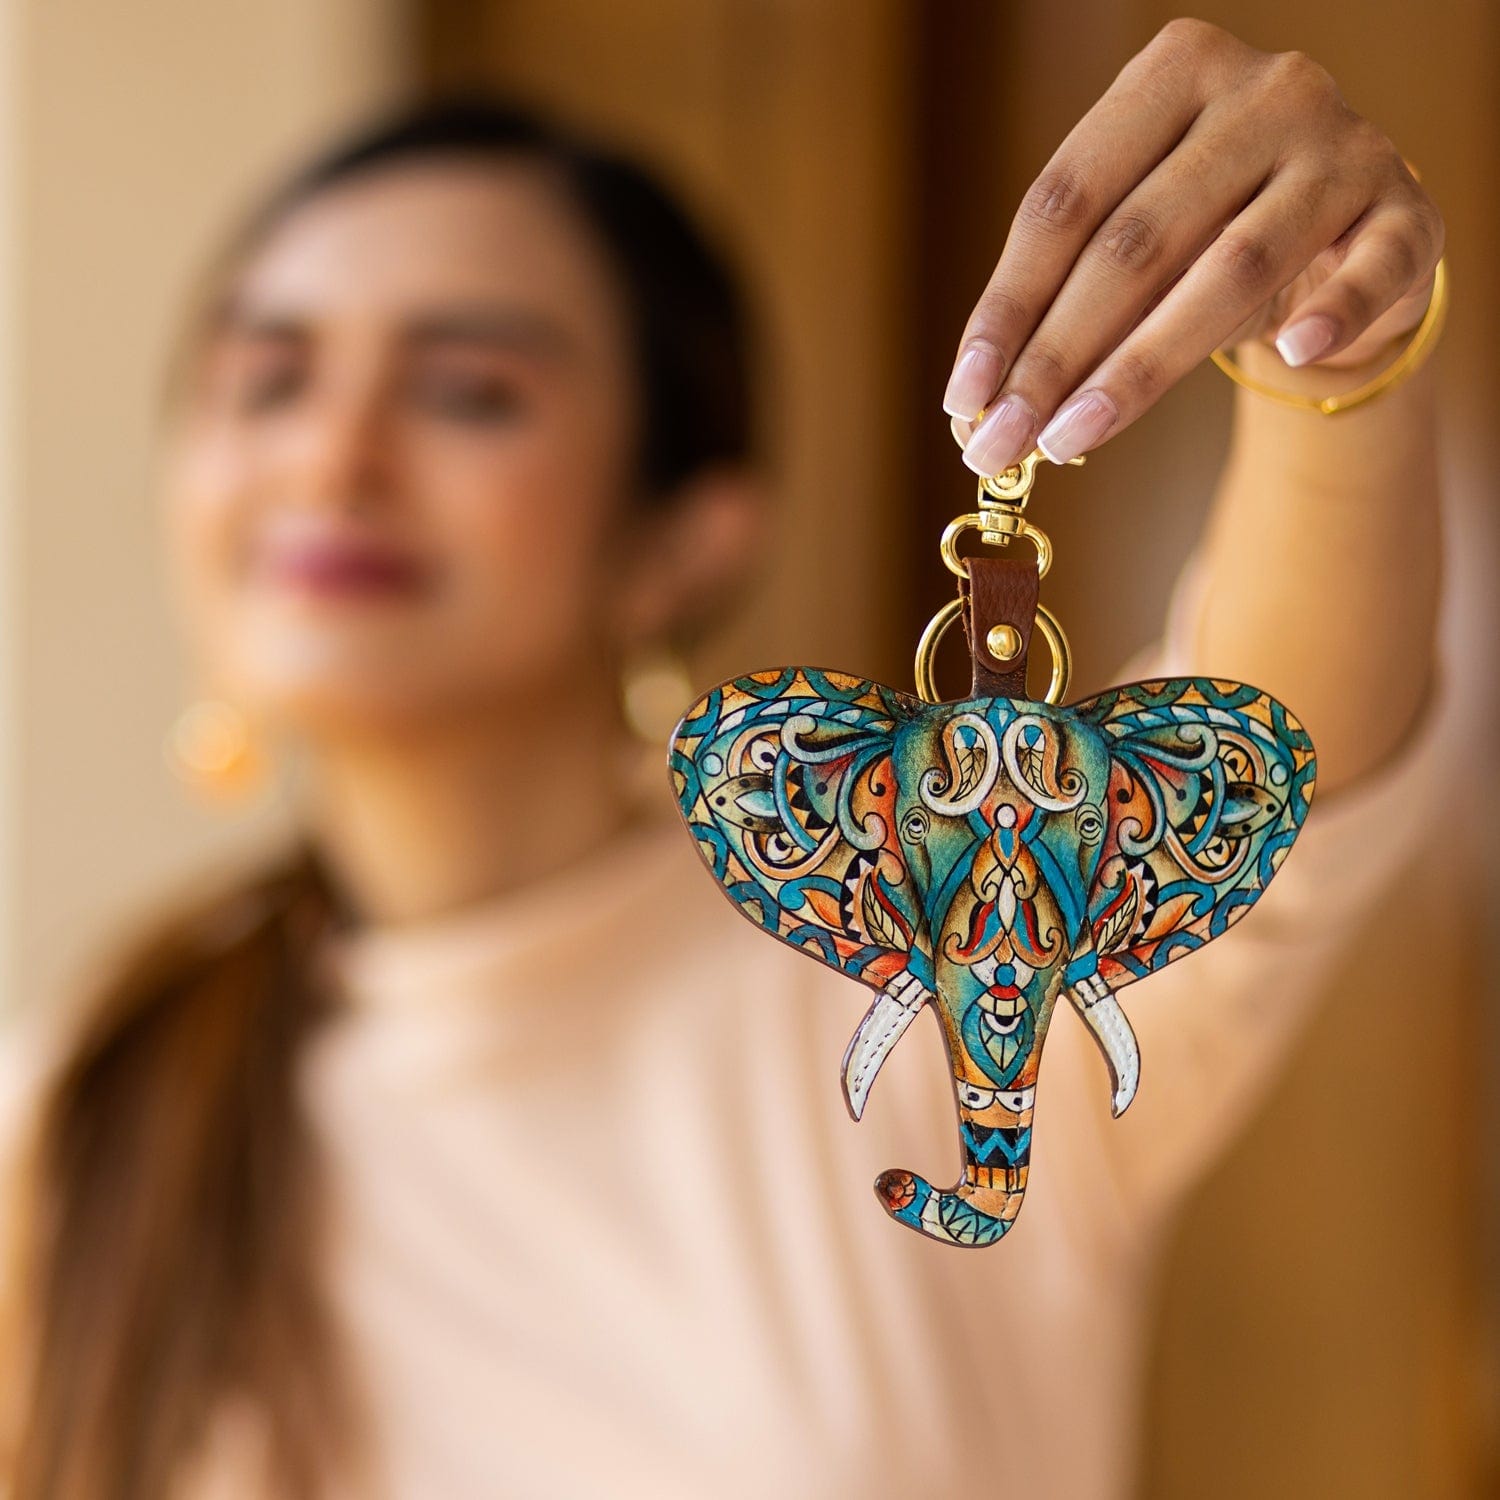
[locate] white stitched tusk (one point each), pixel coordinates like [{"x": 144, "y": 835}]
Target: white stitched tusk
[
  {"x": 881, "y": 1029},
  {"x": 1102, "y": 1015}
]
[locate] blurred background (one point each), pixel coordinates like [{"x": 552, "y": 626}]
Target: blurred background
[{"x": 1326, "y": 1313}]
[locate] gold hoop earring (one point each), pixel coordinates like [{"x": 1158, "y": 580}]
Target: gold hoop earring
[
  {"x": 212, "y": 749},
  {"x": 653, "y": 687}
]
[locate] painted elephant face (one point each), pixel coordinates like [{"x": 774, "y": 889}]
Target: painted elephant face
[{"x": 987, "y": 856}]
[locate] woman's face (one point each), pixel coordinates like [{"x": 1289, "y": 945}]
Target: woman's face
[{"x": 396, "y": 482}]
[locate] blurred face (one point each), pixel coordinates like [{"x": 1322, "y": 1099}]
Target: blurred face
[{"x": 396, "y": 485}]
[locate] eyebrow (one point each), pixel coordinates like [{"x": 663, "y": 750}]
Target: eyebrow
[
  {"x": 485, "y": 326},
  {"x": 505, "y": 327}
]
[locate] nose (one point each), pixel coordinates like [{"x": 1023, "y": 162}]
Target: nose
[{"x": 339, "y": 453}]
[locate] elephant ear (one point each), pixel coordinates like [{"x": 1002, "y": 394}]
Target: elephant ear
[
  {"x": 785, "y": 780},
  {"x": 1209, "y": 784}
]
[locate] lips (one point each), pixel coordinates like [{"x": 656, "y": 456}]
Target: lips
[{"x": 343, "y": 569}]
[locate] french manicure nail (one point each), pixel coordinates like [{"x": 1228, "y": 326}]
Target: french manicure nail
[
  {"x": 1077, "y": 426},
  {"x": 1305, "y": 340},
  {"x": 1003, "y": 437},
  {"x": 961, "y": 428},
  {"x": 975, "y": 379}
]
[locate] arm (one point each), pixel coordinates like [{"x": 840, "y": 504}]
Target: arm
[
  {"x": 1215, "y": 1029},
  {"x": 1344, "y": 554},
  {"x": 1323, "y": 529},
  {"x": 1347, "y": 555},
  {"x": 1322, "y": 558}
]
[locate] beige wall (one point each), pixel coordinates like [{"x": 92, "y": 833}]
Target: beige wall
[{"x": 131, "y": 133}]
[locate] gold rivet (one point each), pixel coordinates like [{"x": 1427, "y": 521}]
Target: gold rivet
[{"x": 1003, "y": 642}]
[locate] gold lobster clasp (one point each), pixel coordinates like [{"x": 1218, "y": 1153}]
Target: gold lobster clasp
[
  {"x": 1012, "y": 486},
  {"x": 999, "y": 517}
]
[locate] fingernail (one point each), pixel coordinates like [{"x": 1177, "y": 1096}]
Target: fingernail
[
  {"x": 976, "y": 377},
  {"x": 1305, "y": 340},
  {"x": 961, "y": 428},
  {"x": 1003, "y": 437},
  {"x": 1077, "y": 426}
]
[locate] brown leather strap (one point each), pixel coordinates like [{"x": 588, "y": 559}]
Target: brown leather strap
[{"x": 999, "y": 591}]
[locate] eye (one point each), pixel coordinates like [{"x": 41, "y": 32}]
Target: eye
[
  {"x": 266, "y": 389},
  {"x": 971, "y": 1096},
  {"x": 252, "y": 382},
  {"x": 914, "y": 826},
  {"x": 1005, "y": 1025},
  {"x": 250, "y": 373},
  {"x": 467, "y": 397},
  {"x": 779, "y": 849},
  {"x": 762, "y": 753},
  {"x": 1089, "y": 823}
]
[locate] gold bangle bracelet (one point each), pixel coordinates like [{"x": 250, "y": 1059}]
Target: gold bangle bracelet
[{"x": 1404, "y": 364}]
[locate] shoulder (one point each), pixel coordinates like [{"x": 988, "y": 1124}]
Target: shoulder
[{"x": 32, "y": 1048}]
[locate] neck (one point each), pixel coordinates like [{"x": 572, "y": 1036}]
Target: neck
[{"x": 433, "y": 817}]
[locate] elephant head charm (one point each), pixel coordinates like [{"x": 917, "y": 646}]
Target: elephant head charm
[{"x": 986, "y": 856}]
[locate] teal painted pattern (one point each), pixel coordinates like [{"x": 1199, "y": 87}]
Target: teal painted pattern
[{"x": 987, "y": 857}]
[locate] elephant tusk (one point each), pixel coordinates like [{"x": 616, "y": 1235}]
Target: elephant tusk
[
  {"x": 1102, "y": 1015},
  {"x": 883, "y": 1026}
]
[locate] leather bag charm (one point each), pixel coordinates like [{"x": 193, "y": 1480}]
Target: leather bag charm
[{"x": 991, "y": 855}]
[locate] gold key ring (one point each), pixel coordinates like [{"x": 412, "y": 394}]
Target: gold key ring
[{"x": 937, "y": 627}]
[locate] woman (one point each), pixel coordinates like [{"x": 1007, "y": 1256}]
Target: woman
[{"x": 482, "y": 1149}]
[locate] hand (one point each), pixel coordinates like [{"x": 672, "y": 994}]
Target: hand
[{"x": 1215, "y": 194}]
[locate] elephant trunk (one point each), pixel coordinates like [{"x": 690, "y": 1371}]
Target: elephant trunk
[{"x": 984, "y": 1205}]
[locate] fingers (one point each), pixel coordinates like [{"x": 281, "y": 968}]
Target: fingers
[
  {"x": 1154, "y": 234},
  {"x": 1260, "y": 251},
  {"x": 1105, "y": 154},
  {"x": 1391, "y": 253}
]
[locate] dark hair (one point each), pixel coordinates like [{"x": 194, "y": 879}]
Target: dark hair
[
  {"x": 687, "y": 305},
  {"x": 169, "y": 1233}
]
